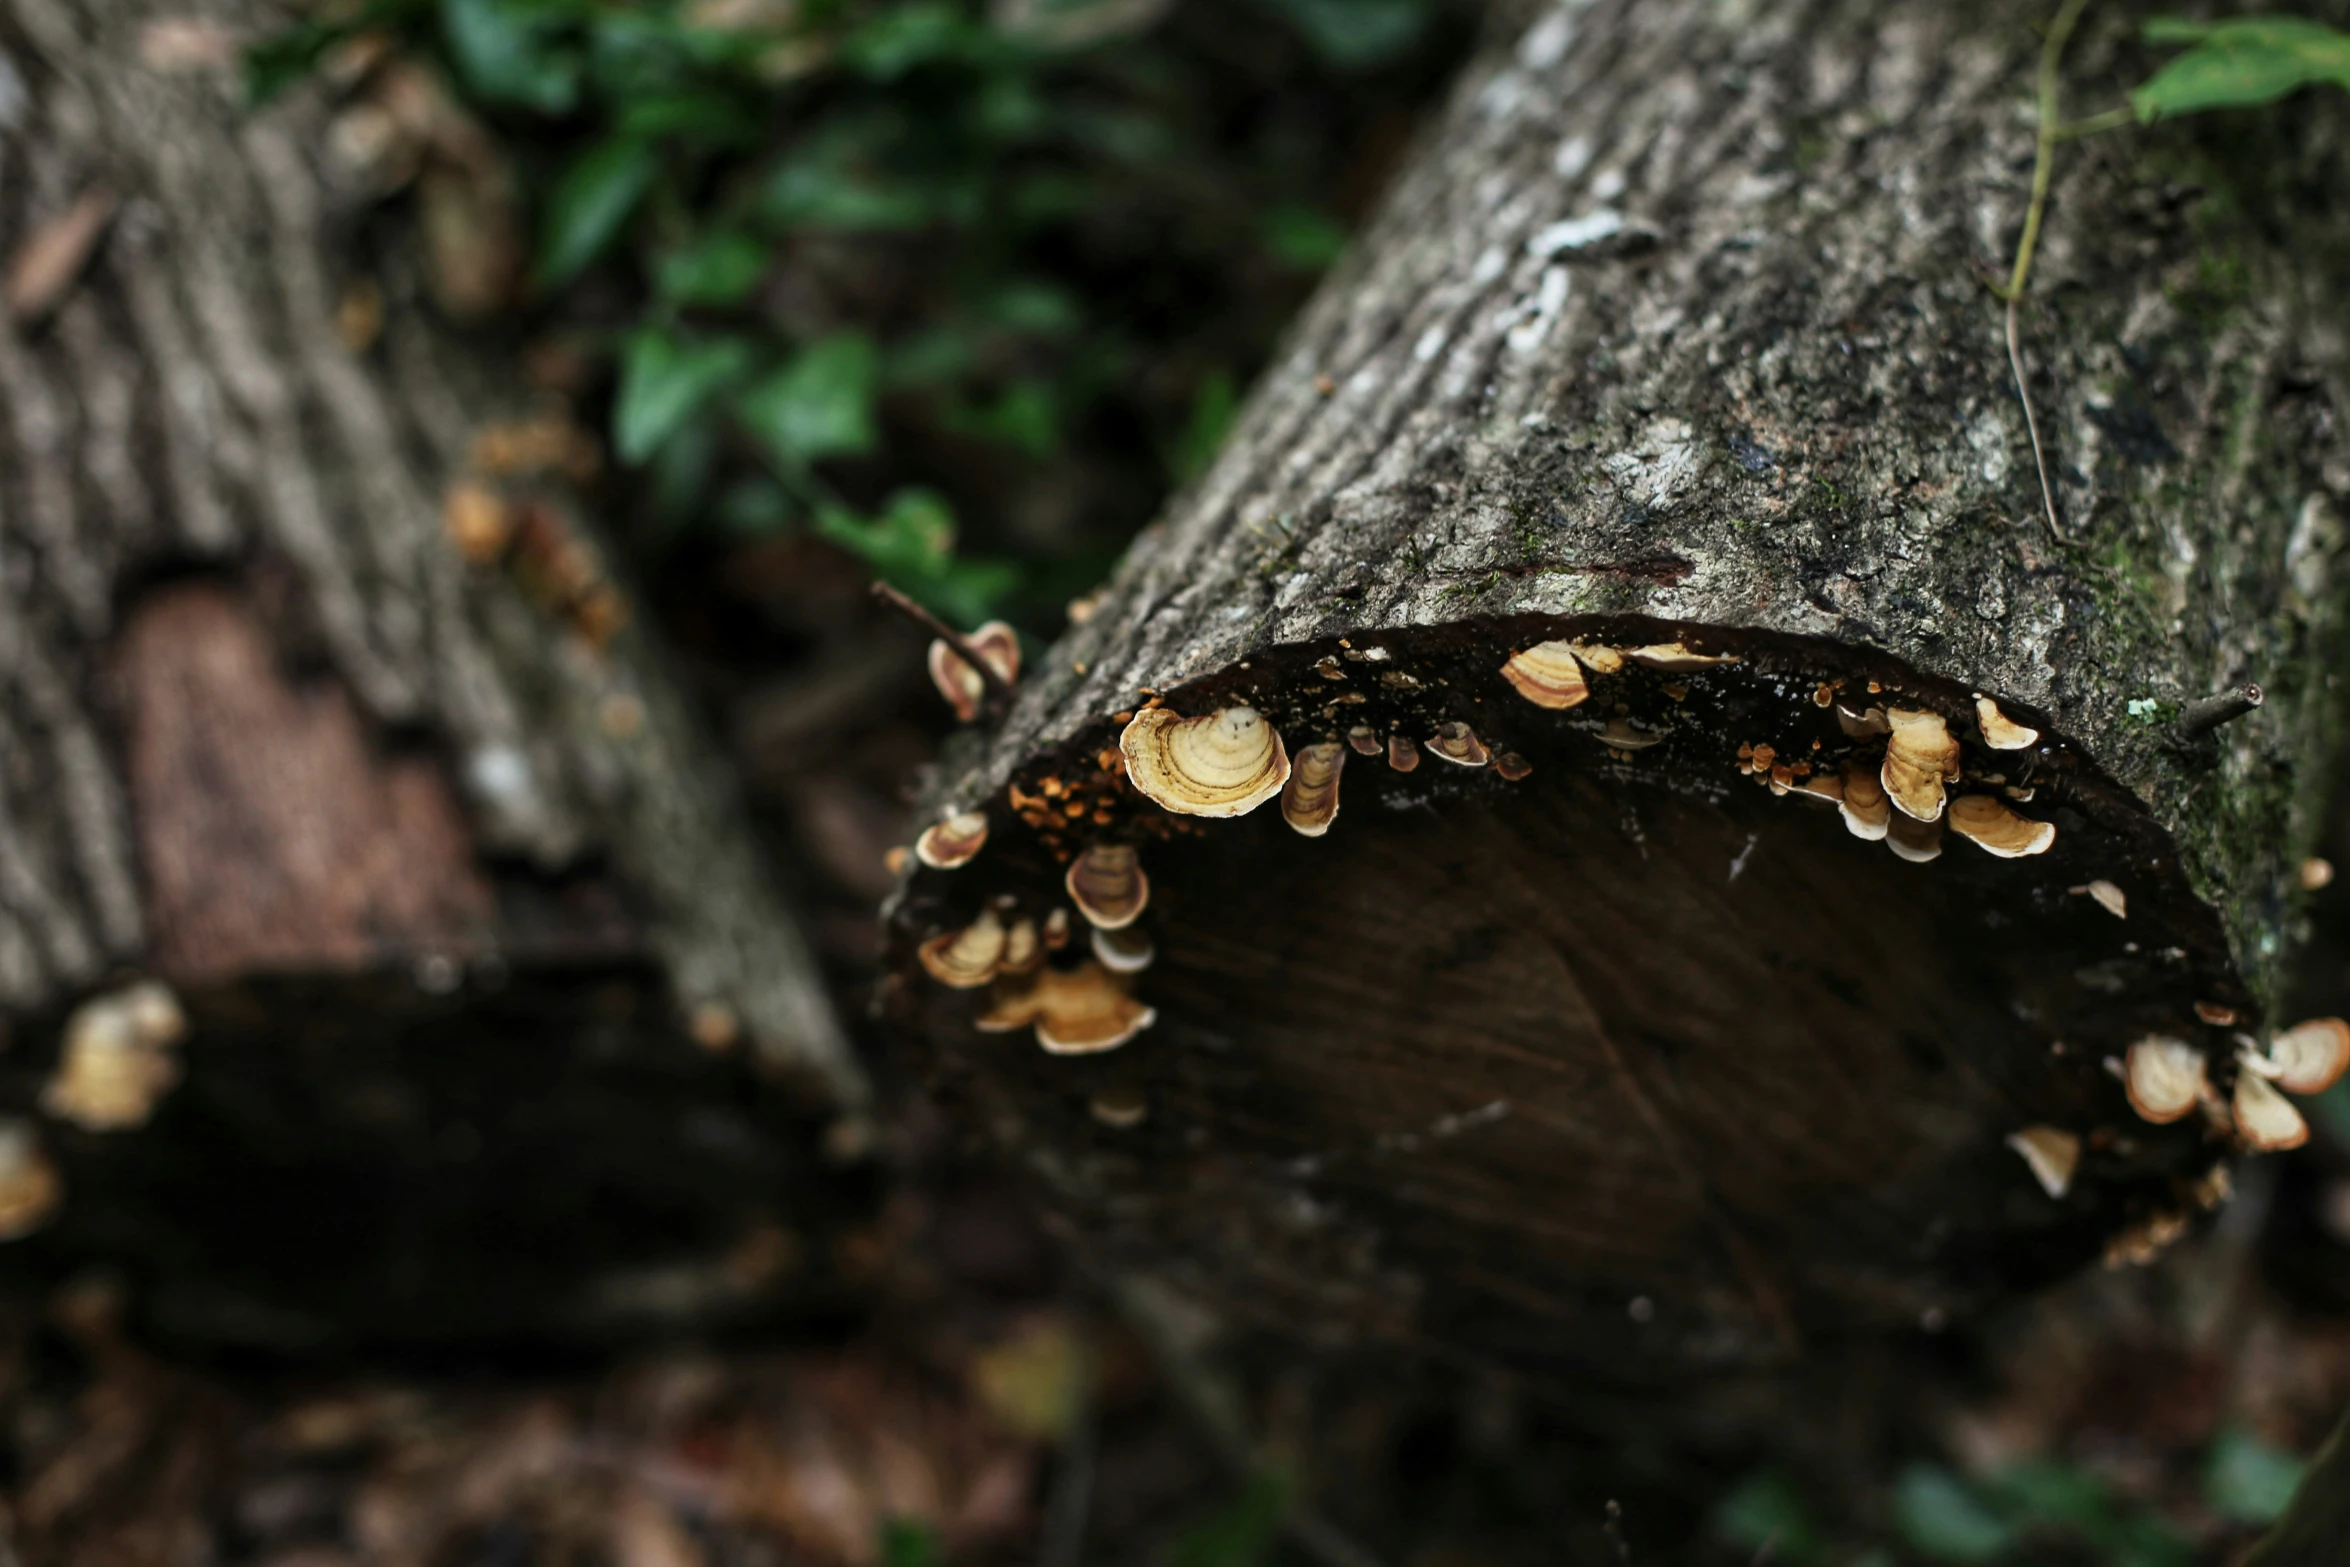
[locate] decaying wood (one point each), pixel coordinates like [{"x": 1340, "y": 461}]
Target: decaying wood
[
  {"x": 314, "y": 674},
  {"x": 1618, "y": 1049}
]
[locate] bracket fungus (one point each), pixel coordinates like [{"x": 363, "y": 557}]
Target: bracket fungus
[
  {"x": 1456, "y": 742},
  {"x": 1402, "y": 754},
  {"x": 1225, "y": 763},
  {"x": 1107, "y": 883},
  {"x": 117, "y": 1060},
  {"x": 955, "y": 841},
  {"x": 2307, "y": 1058},
  {"x": 2266, "y": 1119},
  {"x": 1023, "y": 948},
  {"x": 1988, "y": 824},
  {"x": 2165, "y": 1078},
  {"x": 1920, "y": 756},
  {"x": 1621, "y": 734},
  {"x": 1075, "y": 1012},
  {"x": 1548, "y": 675},
  {"x": 2000, "y": 732},
  {"x": 2053, "y": 1154},
  {"x": 1309, "y": 801},
  {"x": 1867, "y": 813},
  {"x": 2106, "y": 896},
  {"x": 1675, "y": 658},
  {"x": 968, "y": 958},
  {"x": 1127, "y": 951},
  {"x": 998, "y": 644}
]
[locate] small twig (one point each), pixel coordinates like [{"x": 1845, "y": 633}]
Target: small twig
[
  {"x": 2015, "y": 365},
  {"x": 2110, "y": 120},
  {"x": 2048, "y": 132},
  {"x": 998, "y": 696},
  {"x": 2201, "y": 718}
]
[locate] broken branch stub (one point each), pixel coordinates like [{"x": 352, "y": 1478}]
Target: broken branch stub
[{"x": 1621, "y": 1012}]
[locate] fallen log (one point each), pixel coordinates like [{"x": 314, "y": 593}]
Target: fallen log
[
  {"x": 383, "y": 953},
  {"x": 1610, "y": 831}
]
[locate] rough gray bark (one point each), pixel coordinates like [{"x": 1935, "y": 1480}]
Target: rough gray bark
[
  {"x": 265, "y": 725},
  {"x": 1676, "y": 330}
]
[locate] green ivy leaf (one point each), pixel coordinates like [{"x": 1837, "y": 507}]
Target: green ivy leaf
[
  {"x": 820, "y": 193},
  {"x": 509, "y": 51},
  {"x": 818, "y": 405},
  {"x": 2238, "y": 63},
  {"x": 1766, "y": 1514},
  {"x": 719, "y": 270},
  {"x": 902, "y": 38},
  {"x": 590, "y": 204},
  {"x": 911, "y": 544},
  {"x": 702, "y": 116},
  {"x": 1357, "y": 34},
  {"x": 663, "y": 383},
  {"x": 1945, "y": 1521},
  {"x": 1303, "y": 238},
  {"x": 2247, "y": 1480}
]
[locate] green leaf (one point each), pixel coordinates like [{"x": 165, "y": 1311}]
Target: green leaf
[
  {"x": 590, "y": 204},
  {"x": 663, "y": 383},
  {"x": 2246, "y": 1480},
  {"x": 1944, "y": 1520},
  {"x": 509, "y": 51},
  {"x": 1303, "y": 238},
  {"x": 822, "y": 192},
  {"x": 1764, "y": 1512},
  {"x": 908, "y": 1542},
  {"x": 818, "y": 405},
  {"x": 1023, "y": 417},
  {"x": 2239, "y": 63},
  {"x": 704, "y": 117},
  {"x": 1357, "y": 34},
  {"x": 283, "y": 59},
  {"x": 718, "y": 270},
  {"x": 1242, "y": 1534},
  {"x": 1213, "y": 408},
  {"x": 911, "y": 544},
  {"x": 903, "y": 37}
]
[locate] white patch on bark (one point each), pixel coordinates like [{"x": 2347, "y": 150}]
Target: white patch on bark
[
  {"x": 1575, "y": 233},
  {"x": 1549, "y": 299},
  {"x": 1546, "y": 42},
  {"x": 1661, "y": 465}
]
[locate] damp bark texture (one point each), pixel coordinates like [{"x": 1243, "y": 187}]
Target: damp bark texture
[
  {"x": 1676, "y": 331},
  {"x": 321, "y": 704}
]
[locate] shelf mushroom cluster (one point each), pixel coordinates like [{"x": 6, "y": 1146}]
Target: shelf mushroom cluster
[{"x": 2168, "y": 1079}]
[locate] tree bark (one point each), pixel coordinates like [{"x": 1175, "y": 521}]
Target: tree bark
[
  {"x": 1626, "y": 1054},
  {"x": 322, "y": 707}
]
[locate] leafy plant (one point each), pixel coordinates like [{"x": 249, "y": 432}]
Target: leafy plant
[
  {"x": 2239, "y": 63},
  {"x": 884, "y": 269}
]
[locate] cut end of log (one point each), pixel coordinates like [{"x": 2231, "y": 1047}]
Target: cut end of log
[{"x": 1629, "y": 1017}]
